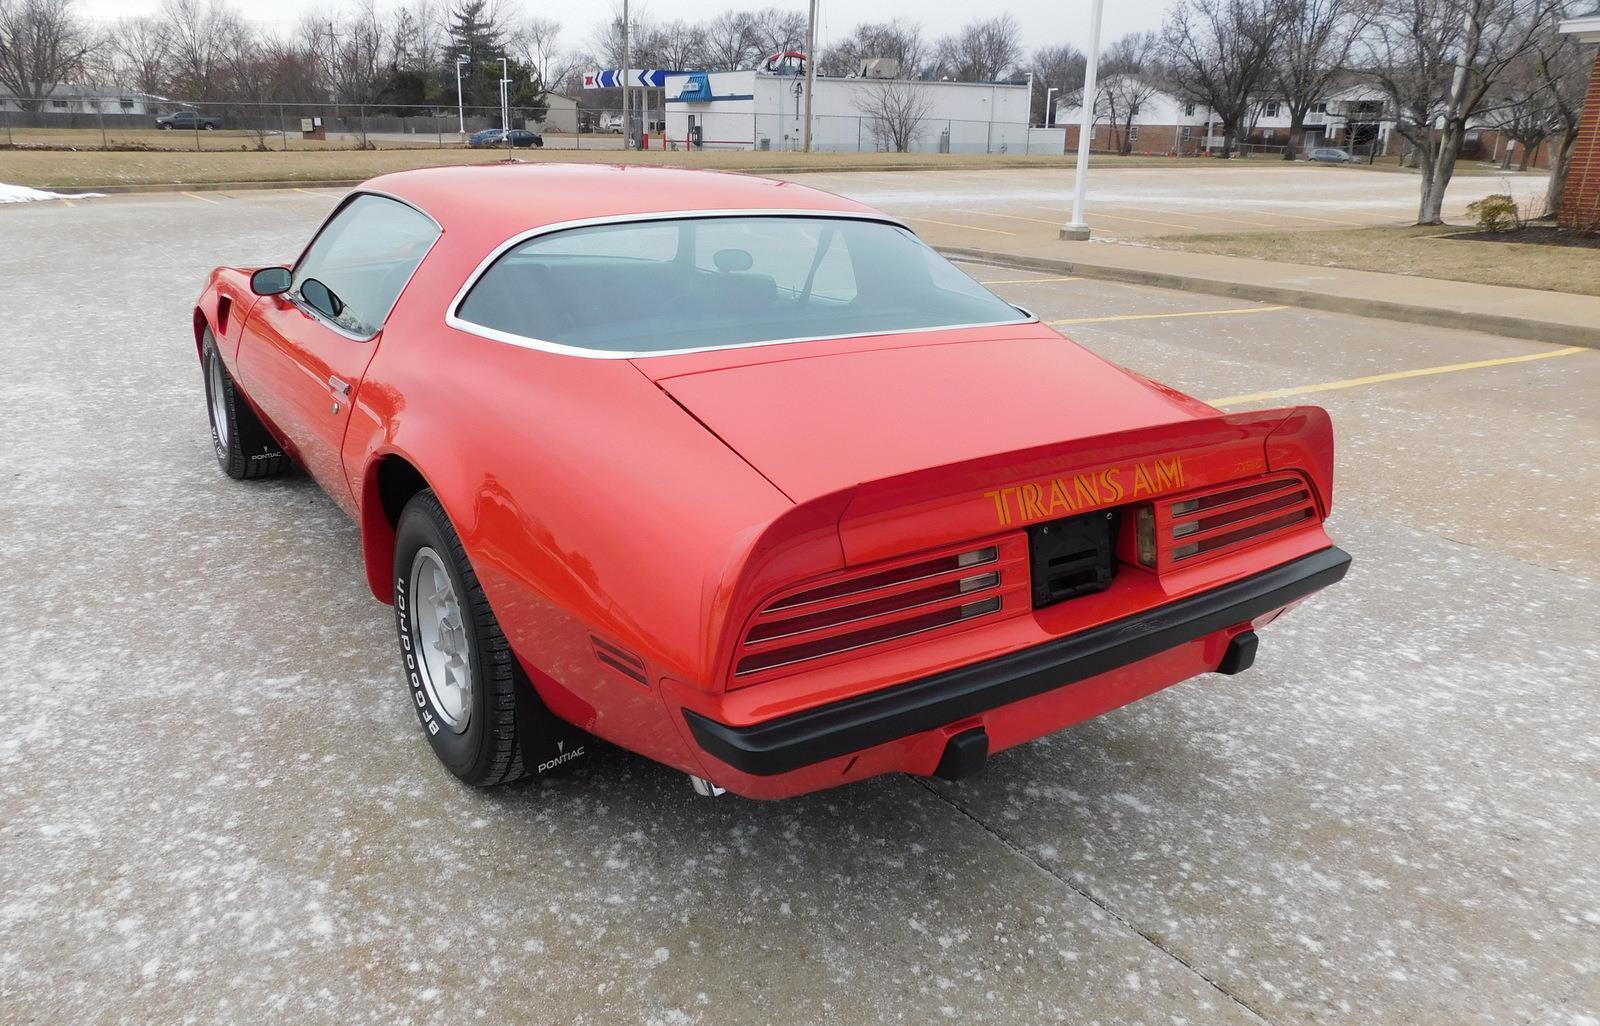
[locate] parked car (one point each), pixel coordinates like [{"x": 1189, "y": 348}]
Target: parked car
[
  {"x": 520, "y": 137},
  {"x": 1330, "y": 155},
  {"x": 190, "y": 120},
  {"x": 609, "y": 124},
  {"x": 743, "y": 477}
]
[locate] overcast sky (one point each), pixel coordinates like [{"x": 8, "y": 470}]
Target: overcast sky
[{"x": 1044, "y": 22}]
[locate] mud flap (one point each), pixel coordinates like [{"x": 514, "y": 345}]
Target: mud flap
[{"x": 547, "y": 741}]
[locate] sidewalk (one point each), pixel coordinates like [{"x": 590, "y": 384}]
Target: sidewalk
[{"x": 1518, "y": 313}]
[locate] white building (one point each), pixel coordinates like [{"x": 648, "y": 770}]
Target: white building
[
  {"x": 762, "y": 110},
  {"x": 68, "y": 98},
  {"x": 1164, "y": 123}
]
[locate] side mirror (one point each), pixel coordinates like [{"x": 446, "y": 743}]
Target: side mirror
[{"x": 270, "y": 281}]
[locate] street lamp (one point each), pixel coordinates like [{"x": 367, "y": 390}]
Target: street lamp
[
  {"x": 505, "y": 104},
  {"x": 1076, "y": 229},
  {"x": 461, "y": 110},
  {"x": 1049, "y": 111},
  {"x": 799, "y": 91}
]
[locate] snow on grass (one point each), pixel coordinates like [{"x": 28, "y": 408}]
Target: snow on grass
[{"x": 23, "y": 194}]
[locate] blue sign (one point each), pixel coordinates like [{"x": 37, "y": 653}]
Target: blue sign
[
  {"x": 611, "y": 78},
  {"x": 697, "y": 89}
]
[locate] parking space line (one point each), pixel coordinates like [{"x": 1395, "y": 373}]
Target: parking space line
[
  {"x": 951, "y": 224},
  {"x": 1011, "y": 217},
  {"x": 1324, "y": 220},
  {"x": 202, "y": 199},
  {"x": 1030, "y": 281},
  {"x": 1163, "y": 316},
  {"x": 1374, "y": 379},
  {"x": 323, "y": 195},
  {"x": 1143, "y": 220}
]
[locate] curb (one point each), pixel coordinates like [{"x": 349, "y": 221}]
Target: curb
[{"x": 1559, "y": 333}]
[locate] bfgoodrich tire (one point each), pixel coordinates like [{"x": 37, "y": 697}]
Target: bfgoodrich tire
[
  {"x": 243, "y": 446},
  {"x": 477, "y": 709}
]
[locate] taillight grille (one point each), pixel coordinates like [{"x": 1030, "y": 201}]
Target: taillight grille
[
  {"x": 1195, "y": 527},
  {"x": 822, "y": 623}
]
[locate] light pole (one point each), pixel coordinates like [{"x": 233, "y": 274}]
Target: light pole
[
  {"x": 1049, "y": 111},
  {"x": 811, "y": 75},
  {"x": 1077, "y": 229},
  {"x": 461, "y": 110},
  {"x": 627, "y": 57},
  {"x": 799, "y": 88},
  {"x": 505, "y": 105}
]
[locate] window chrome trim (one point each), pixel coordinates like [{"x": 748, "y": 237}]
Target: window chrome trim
[
  {"x": 451, "y": 318},
  {"x": 322, "y": 318}
]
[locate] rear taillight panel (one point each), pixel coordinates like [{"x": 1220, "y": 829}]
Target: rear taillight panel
[
  {"x": 1184, "y": 530},
  {"x": 888, "y": 605}
]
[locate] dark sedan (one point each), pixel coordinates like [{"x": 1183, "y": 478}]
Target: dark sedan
[{"x": 519, "y": 137}]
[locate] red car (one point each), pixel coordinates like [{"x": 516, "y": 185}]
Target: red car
[{"x": 743, "y": 477}]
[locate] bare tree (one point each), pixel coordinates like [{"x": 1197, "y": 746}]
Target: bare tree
[
  {"x": 1522, "y": 109},
  {"x": 536, "y": 43},
  {"x": 1438, "y": 60},
  {"x": 1060, "y": 68},
  {"x": 358, "y": 61},
  {"x": 264, "y": 71},
  {"x": 416, "y": 34},
  {"x": 983, "y": 51},
  {"x": 198, "y": 32},
  {"x": 1219, "y": 54},
  {"x": 140, "y": 54},
  {"x": 775, "y": 30},
  {"x": 895, "y": 110},
  {"x": 899, "y": 41},
  {"x": 1313, "y": 49},
  {"x": 1133, "y": 78},
  {"x": 1565, "y": 68},
  {"x": 730, "y": 42},
  {"x": 43, "y": 43}
]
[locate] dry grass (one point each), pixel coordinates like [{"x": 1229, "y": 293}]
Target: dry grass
[
  {"x": 1423, "y": 252},
  {"x": 83, "y": 169}
]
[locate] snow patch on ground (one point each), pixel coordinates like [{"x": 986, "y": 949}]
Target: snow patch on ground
[{"x": 23, "y": 194}]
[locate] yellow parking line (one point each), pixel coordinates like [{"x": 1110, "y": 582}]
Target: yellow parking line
[
  {"x": 951, "y": 224},
  {"x": 1012, "y": 217},
  {"x": 1030, "y": 281},
  {"x": 324, "y": 195},
  {"x": 202, "y": 199},
  {"x": 1175, "y": 313},
  {"x": 1374, "y": 379},
  {"x": 1142, "y": 220}
]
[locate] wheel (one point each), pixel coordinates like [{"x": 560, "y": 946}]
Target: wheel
[
  {"x": 209, "y": 127},
  {"x": 163, "y": 128},
  {"x": 538, "y": 144},
  {"x": 479, "y": 711},
  {"x": 244, "y": 447}
]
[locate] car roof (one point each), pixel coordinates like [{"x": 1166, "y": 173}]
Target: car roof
[{"x": 517, "y": 197}]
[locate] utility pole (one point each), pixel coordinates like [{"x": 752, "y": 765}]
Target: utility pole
[
  {"x": 1076, "y": 229},
  {"x": 811, "y": 70},
  {"x": 627, "y": 57}
]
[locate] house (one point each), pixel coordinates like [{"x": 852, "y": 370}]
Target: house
[
  {"x": 1350, "y": 118},
  {"x": 561, "y": 115},
  {"x": 1580, "y": 199},
  {"x": 69, "y": 98},
  {"x": 762, "y": 110}
]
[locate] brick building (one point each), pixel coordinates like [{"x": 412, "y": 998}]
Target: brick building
[{"x": 1580, "y": 202}]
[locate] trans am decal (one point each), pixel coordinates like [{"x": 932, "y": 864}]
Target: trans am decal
[{"x": 1062, "y": 496}]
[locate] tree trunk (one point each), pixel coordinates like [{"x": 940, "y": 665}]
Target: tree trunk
[
  {"x": 1560, "y": 162},
  {"x": 1527, "y": 155},
  {"x": 1437, "y": 173},
  {"x": 1297, "y": 136}
]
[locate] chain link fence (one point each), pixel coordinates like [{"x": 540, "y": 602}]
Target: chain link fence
[{"x": 140, "y": 124}]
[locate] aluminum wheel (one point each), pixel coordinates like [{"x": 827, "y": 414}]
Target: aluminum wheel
[
  {"x": 216, "y": 396},
  {"x": 441, "y": 638}
]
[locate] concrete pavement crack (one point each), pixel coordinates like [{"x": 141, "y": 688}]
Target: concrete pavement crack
[{"x": 1096, "y": 902}]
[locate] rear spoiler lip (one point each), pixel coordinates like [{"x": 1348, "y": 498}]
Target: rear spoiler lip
[{"x": 950, "y": 499}]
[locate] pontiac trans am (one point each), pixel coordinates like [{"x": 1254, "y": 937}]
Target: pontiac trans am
[{"x": 743, "y": 477}]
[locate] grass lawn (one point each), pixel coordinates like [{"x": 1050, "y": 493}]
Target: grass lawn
[{"x": 1424, "y": 252}]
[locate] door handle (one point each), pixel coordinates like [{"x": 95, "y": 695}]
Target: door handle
[{"x": 339, "y": 386}]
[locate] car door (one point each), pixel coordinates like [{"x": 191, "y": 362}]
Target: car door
[{"x": 303, "y": 353}]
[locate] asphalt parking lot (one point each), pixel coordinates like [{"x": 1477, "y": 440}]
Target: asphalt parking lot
[{"x": 215, "y": 805}]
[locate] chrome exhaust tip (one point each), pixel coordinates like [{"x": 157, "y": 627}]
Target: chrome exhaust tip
[{"x": 704, "y": 787}]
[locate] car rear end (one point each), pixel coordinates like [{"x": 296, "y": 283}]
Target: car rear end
[{"x": 962, "y": 610}]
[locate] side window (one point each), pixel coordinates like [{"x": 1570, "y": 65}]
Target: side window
[{"x": 361, "y": 260}]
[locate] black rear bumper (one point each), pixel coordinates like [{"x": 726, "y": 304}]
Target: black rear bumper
[{"x": 790, "y": 742}]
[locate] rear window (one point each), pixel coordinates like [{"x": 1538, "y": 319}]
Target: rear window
[{"x": 709, "y": 282}]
